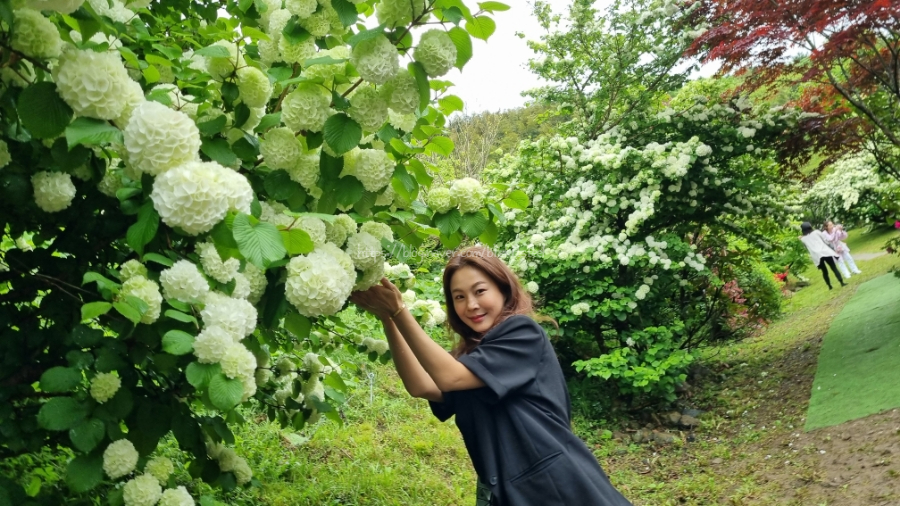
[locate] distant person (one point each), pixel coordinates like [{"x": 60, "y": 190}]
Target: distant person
[
  {"x": 503, "y": 383},
  {"x": 836, "y": 235},
  {"x": 820, "y": 252}
]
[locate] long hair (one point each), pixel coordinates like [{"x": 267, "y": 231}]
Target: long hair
[
  {"x": 516, "y": 299},
  {"x": 806, "y": 228}
]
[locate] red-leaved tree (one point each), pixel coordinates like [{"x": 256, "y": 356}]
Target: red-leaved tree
[{"x": 843, "y": 57}]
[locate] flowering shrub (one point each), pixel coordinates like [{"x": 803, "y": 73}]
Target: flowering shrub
[
  {"x": 853, "y": 192},
  {"x": 186, "y": 194}
]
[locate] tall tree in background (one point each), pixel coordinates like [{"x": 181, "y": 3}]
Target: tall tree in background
[{"x": 849, "y": 65}]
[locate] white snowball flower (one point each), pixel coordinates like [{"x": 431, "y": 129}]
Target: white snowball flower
[
  {"x": 189, "y": 197},
  {"x": 254, "y": 86},
  {"x": 291, "y": 52},
  {"x": 104, "y": 386},
  {"x": 405, "y": 122},
  {"x": 403, "y": 92},
  {"x": 132, "y": 268},
  {"x": 34, "y": 35},
  {"x": 176, "y": 497},
  {"x": 53, "y": 191},
  {"x": 315, "y": 227},
  {"x": 184, "y": 282},
  {"x": 305, "y": 170},
  {"x": 532, "y": 287},
  {"x": 469, "y": 194},
  {"x": 241, "y": 286},
  {"x": 365, "y": 250},
  {"x": 119, "y": 459},
  {"x": 436, "y": 52},
  {"x": 142, "y": 491},
  {"x": 376, "y": 59},
  {"x": 440, "y": 199},
  {"x": 5, "y": 157},
  {"x": 158, "y": 138},
  {"x": 318, "y": 284},
  {"x": 93, "y": 84},
  {"x": 237, "y": 316},
  {"x": 60, "y": 6},
  {"x": 236, "y": 189},
  {"x": 134, "y": 96},
  {"x": 370, "y": 277},
  {"x": 112, "y": 9},
  {"x": 221, "y": 271},
  {"x": 230, "y": 462},
  {"x": 338, "y": 231},
  {"x": 147, "y": 291},
  {"x": 160, "y": 468},
  {"x": 238, "y": 362},
  {"x": 378, "y": 230},
  {"x": 306, "y": 108},
  {"x": 211, "y": 343},
  {"x": 281, "y": 149},
  {"x": 301, "y": 8},
  {"x": 372, "y": 167},
  {"x": 257, "y": 280},
  {"x": 220, "y": 67},
  {"x": 369, "y": 108},
  {"x": 398, "y": 12}
]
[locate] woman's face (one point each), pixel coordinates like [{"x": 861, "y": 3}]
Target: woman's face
[
  {"x": 476, "y": 298},
  {"x": 828, "y": 226}
]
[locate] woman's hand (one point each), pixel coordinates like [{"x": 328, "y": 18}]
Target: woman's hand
[{"x": 381, "y": 300}]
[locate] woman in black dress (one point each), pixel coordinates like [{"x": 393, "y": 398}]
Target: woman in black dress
[{"x": 502, "y": 381}]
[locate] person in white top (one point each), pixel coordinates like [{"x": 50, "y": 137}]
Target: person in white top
[
  {"x": 820, "y": 252},
  {"x": 836, "y": 234}
]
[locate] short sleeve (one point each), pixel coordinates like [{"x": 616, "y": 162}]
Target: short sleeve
[
  {"x": 443, "y": 410},
  {"x": 508, "y": 357}
]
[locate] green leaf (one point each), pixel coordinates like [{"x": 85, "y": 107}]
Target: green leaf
[
  {"x": 366, "y": 35},
  {"x": 86, "y": 337},
  {"x": 253, "y": 33},
  {"x": 365, "y": 203},
  {"x": 60, "y": 379},
  {"x": 85, "y": 472},
  {"x": 218, "y": 150},
  {"x": 439, "y": 145},
  {"x": 517, "y": 199},
  {"x": 279, "y": 185},
  {"x": 481, "y": 27},
  {"x": 268, "y": 121},
  {"x": 473, "y": 224},
  {"x": 293, "y": 32},
  {"x": 448, "y": 222},
  {"x": 298, "y": 325},
  {"x": 241, "y": 114},
  {"x": 90, "y": 131},
  {"x": 157, "y": 60},
  {"x": 44, "y": 114},
  {"x": 421, "y": 173},
  {"x": 214, "y": 51},
  {"x": 128, "y": 311},
  {"x": 213, "y": 126},
  {"x": 246, "y": 148},
  {"x": 92, "y": 310},
  {"x": 61, "y": 413},
  {"x": 199, "y": 375},
  {"x": 177, "y": 342},
  {"x": 225, "y": 393},
  {"x": 349, "y": 190},
  {"x": 102, "y": 281},
  {"x": 259, "y": 242},
  {"x": 451, "y": 104},
  {"x": 296, "y": 241},
  {"x": 156, "y": 257},
  {"x": 342, "y": 133},
  {"x": 346, "y": 11},
  {"x": 418, "y": 71},
  {"x": 495, "y": 210},
  {"x": 463, "y": 43},
  {"x": 151, "y": 74},
  {"x": 182, "y": 317},
  {"x": 489, "y": 236},
  {"x": 451, "y": 241},
  {"x": 87, "y": 434},
  {"x": 452, "y": 14},
  {"x": 493, "y": 6},
  {"x": 230, "y": 92},
  {"x": 124, "y": 194},
  {"x": 141, "y": 233}
]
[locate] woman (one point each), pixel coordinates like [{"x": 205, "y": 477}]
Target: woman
[
  {"x": 835, "y": 235},
  {"x": 502, "y": 381},
  {"x": 820, "y": 252}
]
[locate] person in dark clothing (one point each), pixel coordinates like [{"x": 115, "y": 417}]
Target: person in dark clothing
[
  {"x": 820, "y": 252},
  {"x": 502, "y": 381}
]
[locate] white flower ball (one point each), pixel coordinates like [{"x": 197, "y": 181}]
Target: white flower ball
[
  {"x": 378, "y": 230},
  {"x": 301, "y": 8},
  {"x": 268, "y": 52},
  {"x": 211, "y": 343},
  {"x": 254, "y": 86},
  {"x": 230, "y": 462},
  {"x": 532, "y": 287},
  {"x": 184, "y": 282},
  {"x": 134, "y": 96},
  {"x": 176, "y": 497},
  {"x": 221, "y": 67},
  {"x": 93, "y": 84},
  {"x": 104, "y": 386},
  {"x": 112, "y": 9},
  {"x": 160, "y": 468},
  {"x": 256, "y": 277},
  {"x": 405, "y": 122},
  {"x": 368, "y": 108},
  {"x": 296, "y": 53},
  {"x": 319, "y": 284},
  {"x": 34, "y": 35},
  {"x": 305, "y": 170},
  {"x": 468, "y": 193},
  {"x": 189, "y": 197},
  {"x": 53, "y": 191},
  {"x": 372, "y": 167},
  {"x": 338, "y": 231},
  {"x": 237, "y": 316},
  {"x": 131, "y": 269},
  {"x": 436, "y": 52},
  {"x": 142, "y": 491},
  {"x": 276, "y": 19},
  {"x": 399, "y": 12},
  {"x": 60, "y": 6},
  {"x": 306, "y": 108},
  {"x": 370, "y": 278},
  {"x": 147, "y": 291},
  {"x": 119, "y": 459},
  {"x": 327, "y": 72},
  {"x": 241, "y": 287},
  {"x": 111, "y": 183},
  {"x": 5, "y": 157},
  {"x": 238, "y": 362},
  {"x": 281, "y": 149},
  {"x": 376, "y": 60},
  {"x": 236, "y": 189},
  {"x": 365, "y": 250},
  {"x": 440, "y": 199},
  {"x": 386, "y": 197},
  {"x": 158, "y": 138},
  {"x": 403, "y": 93},
  {"x": 315, "y": 228},
  {"x": 212, "y": 263},
  {"x": 322, "y": 22},
  {"x": 274, "y": 213}
]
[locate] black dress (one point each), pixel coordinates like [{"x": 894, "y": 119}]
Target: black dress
[{"x": 517, "y": 428}]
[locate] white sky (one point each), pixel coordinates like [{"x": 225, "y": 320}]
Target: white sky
[{"x": 497, "y": 74}]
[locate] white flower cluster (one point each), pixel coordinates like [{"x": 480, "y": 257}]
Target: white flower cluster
[
  {"x": 403, "y": 93},
  {"x": 94, "y": 84},
  {"x": 235, "y": 316},
  {"x": 319, "y": 283},
  {"x": 369, "y": 108},
  {"x": 399, "y": 12},
  {"x": 229, "y": 461},
  {"x": 436, "y": 52},
  {"x": 221, "y": 271},
  {"x": 60, "y": 6},
  {"x": 376, "y": 345},
  {"x": 376, "y": 59},
  {"x": 399, "y": 271},
  {"x": 220, "y": 67},
  {"x": 280, "y": 148},
  {"x": 531, "y": 287},
  {"x": 306, "y": 170},
  {"x": 432, "y": 312},
  {"x": 147, "y": 291},
  {"x": 132, "y": 268},
  {"x": 440, "y": 199},
  {"x": 372, "y": 167},
  {"x": 160, "y": 468},
  {"x": 580, "y": 308},
  {"x": 5, "y": 157},
  {"x": 197, "y": 195},
  {"x": 338, "y": 230},
  {"x": 184, "y": 282},
  {"x": 315, "y": 227},
  {"x": 468, "y": 194},
  {"x": 112, "y": 9},
  {"x": 53, "y": 191},
  {"x": 158, "y": 138},
  {"x": 852, "y": 178},
  {"x": 256, "y": 279},
  {"x": 34, "y": 35},
  {"x": 365, "y": 250},
  {"x": 141, "y": 491},
  {"x": 119, "y": 459},
  {"x": 254, "y": 86},
  {"x": 104, "y": 386},
  {"x": 176, "y": 497},
  {"x": 306, "y": 108}
]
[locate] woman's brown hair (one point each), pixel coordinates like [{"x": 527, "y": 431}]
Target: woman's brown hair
[{"x": 516, "y": 299}]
